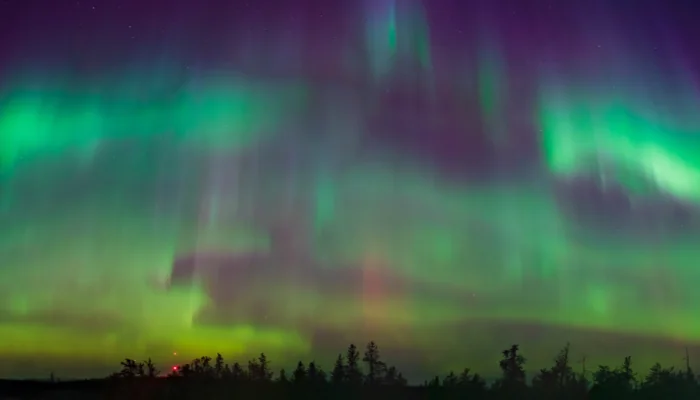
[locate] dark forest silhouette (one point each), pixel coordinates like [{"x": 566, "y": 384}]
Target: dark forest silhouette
[{"x": 367, "y": 375}]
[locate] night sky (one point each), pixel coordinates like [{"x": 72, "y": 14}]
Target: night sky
[{"x": 445, "y": 177}]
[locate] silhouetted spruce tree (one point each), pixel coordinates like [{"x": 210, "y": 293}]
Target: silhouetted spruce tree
[
  {"x": 669, "y": 383},
  {"x": 434, "y": 383},
  {"x": 472, "y": 382},
  {"x": 315, "y": 374},
  {"x": 375, "y": 367},
  {"x": 512, "y": 382},
  {"x": 259, "y": 370},
  {"x": 185, "y": 371},
  {"x": 512, "y": 365},
  {"x": 690, "y": 377},
  {"x": 557, "y": 376},
  {"x": 252, "y": 369},
  {"x": 322, "y": 375},
  {"x": 353, "y": 373},
  {"x": 151, "y": 370},
  {"x": 393, "y": 377},
  {"x": 207, "y": 368},
  {"x": 450, "y": 380},
  {"x": 400, "y": 380},
  {"x": 299, "y": 375},
  {"x": 338, "y": 373},
  {"x": 219, "y": 366},
  {"x": 282, "y": 377},
  {"x": 226, "y": 373},
  {"x": 312, "y": 372},
  {"x": 237, "y": 372},
  {"x": 618, "y": 382},
  {"x": 562, "y": 369},
  {"x": 205, "y": 364},
  {"x": 202, "y": 367},
  {"x": 129, "y": 368},
  {"x": 265, "y": 370},
  {"x": 560, "y": 379},
  {"x": 657, "y": 375},
  {"x": 628, "y": 374}
]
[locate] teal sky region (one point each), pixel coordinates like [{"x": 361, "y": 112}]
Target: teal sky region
[{"x": 444, "y": 181}]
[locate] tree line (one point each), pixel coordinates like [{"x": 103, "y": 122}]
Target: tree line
[{"x": 367, "y": 375}]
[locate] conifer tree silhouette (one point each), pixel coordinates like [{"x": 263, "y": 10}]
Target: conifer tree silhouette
[
  {"x": 512, "y": 365},
  {"x": 253, "y": 368},
  {"x": 375, "y": 367},
  {"x": 151, "y": 370},
  {"x": 237, "y": 372},
  {"x": 690, "y": 376},
  {"x": 393, "y": 377},
  {"x": 264, "y": 368},
  {"x": 206, "y": 370},
  {"x": 226, "y": 373},
  {"x": 299, "y": 375},
  {"x": 282, "y": 377},
  {"x": 259, "y": 369},
  {"x": 353, "y": 373},
  {"x": 219, "y": 365},
  {"x": 560, "y": 378},
  {"x": 473, "y": 382},
  {"x": 129, "y": 368},
  {"x": 315, "y": 375},
  {"x": 338, "y": 373},
  {"x": 434, "y": 383},
  {"x": 450, "y": 381},
  {"x": 185, "y": 370},
  {"x": 512, "y": 381},
  {"x": 619, "y": 382}
]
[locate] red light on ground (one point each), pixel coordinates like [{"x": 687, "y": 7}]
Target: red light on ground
[{"x": 175, "y": 368}]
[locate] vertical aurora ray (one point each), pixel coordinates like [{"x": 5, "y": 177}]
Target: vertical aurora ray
[
  {"x": 493, "y": 94},
  {"x": 397, "y": 39},
  {"x": 381, "y": 37}
]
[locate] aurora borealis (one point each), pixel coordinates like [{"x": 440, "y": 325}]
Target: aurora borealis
[{"x": 446, "y": 179}]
